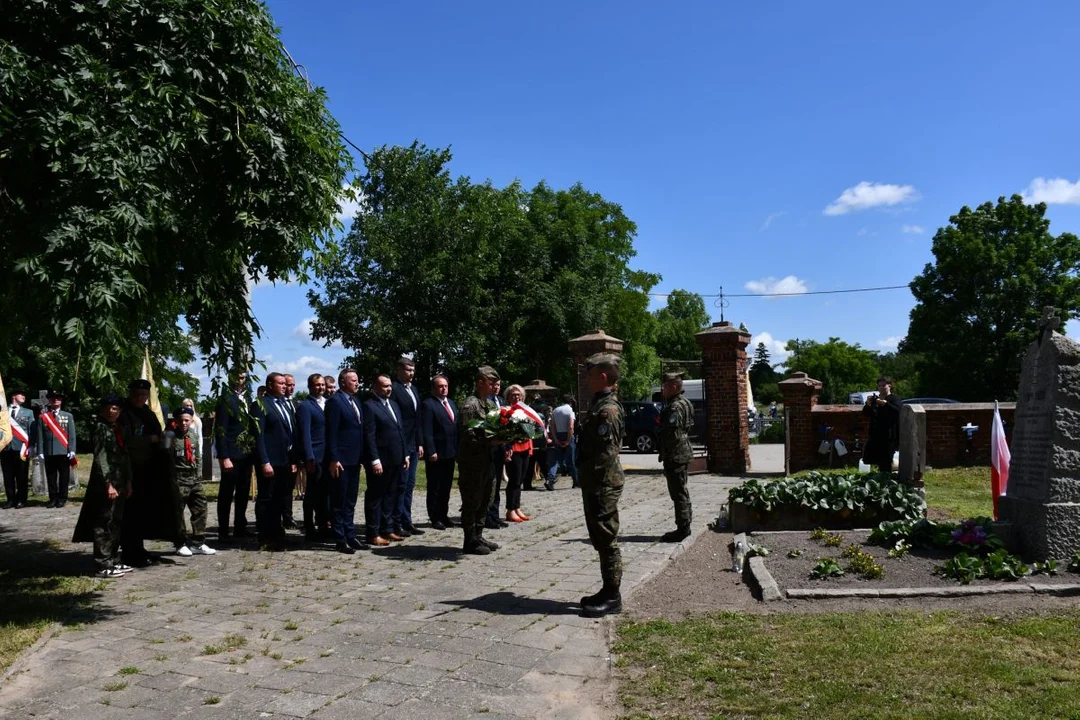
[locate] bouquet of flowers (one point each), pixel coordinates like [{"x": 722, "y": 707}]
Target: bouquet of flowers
[{"x": 510, "y": 424}]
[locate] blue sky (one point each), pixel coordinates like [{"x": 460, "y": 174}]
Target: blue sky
[{"x": 797, "y": 145}]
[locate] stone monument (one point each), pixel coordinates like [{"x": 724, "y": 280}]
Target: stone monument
[
  {"x": 1041, "y": 506},
  {"x": 912, "y": 444}
]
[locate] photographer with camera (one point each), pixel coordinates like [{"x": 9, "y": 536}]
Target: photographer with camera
[{"x": 883, "y": 410}]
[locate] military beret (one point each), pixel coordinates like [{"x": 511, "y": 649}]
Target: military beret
[
  {"x": 602, "y": 359},
  {"x": 182, "y": 411},
  {"x": 110, "y": 399},
  {"x": 55, "y": 395},
  {"x": 674, "y": 375},
  {"x": 139, "y": 385},
  {"x": 486, "y": 371}
]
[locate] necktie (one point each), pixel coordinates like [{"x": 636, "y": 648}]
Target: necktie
[
  {"x": 408, "y": 389},
  {"x": 354, "y": 408},
  {"x": 187, "y": 450},
  {"x": 446, "y": 406},
  {"x": 284, "y": 410},
  {"x": 119, "y": 435},
  {"x": 390, "y": 410}
]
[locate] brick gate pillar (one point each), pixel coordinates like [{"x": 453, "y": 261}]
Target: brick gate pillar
[
  {"x": 723, "y": 368},
  {"x": 800, "y": 393},
  {"x": 582, "y": 348}
]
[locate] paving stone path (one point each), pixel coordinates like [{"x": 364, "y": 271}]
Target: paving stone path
[{"x": 411, "y": 631}]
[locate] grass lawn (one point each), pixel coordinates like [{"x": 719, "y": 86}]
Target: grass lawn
[
  {"x": 852, "y": 665},
  {"x": 959, "y": 493}
]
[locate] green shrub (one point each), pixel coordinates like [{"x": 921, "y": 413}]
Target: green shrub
[{"x": 846, "y": 494}]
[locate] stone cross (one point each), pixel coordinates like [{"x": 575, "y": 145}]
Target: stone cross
[{"x": 42, "y": 399}]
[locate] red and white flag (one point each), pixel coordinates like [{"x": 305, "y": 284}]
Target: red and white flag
[{"x": 999, "y": 459}]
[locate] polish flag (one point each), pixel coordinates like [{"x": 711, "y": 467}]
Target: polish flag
[{"x": 999, "y": 459}]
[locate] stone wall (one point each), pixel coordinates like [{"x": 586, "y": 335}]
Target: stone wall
[{"x": 946, "y": 443}]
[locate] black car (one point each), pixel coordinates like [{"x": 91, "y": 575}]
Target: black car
[{"x": 642, "y": 424}]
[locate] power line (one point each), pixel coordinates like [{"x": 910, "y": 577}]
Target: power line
[
  {"x": 789, "y": 294},
  {"x": 303, "y": 73}
]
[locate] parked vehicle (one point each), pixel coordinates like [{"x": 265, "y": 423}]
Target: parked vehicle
[
  {"x": 642, "y": 424},
  {"x": 928, "y": 401}
]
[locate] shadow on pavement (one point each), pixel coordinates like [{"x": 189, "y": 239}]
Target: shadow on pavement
[
  {"x": 418, "y": 553},
  {"x": 622, "y": 539},
  {"x": 507, "y": 603}
]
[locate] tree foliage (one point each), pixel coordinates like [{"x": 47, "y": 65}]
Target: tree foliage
[
  {"x": 462, "y": 273},
  {"x": 977, "y": 305},
  {"x": 841, "y": 368},
  {"x": 678, "y": 322},
  {"x": 155, "y": 158},
  {"x": 763, "y": 377}
]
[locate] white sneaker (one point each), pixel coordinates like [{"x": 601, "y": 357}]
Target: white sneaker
[
  {"x": 123, "y": 569},
  {"x": 204, "y": 550},
  {"x": 184, "y": 551},
  {"x": 111, "y": 573}
]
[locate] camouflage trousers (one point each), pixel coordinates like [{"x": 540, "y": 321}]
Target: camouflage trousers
[
  {"x": 477, "y": 484},
  {"x": 192, "y": 497},
  {"x": 601, "y": 503},
  {"x": 107, "y": 533},
  {"x": 680, "y": 493}
]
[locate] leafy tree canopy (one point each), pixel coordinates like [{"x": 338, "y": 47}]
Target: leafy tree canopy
[
  {"x": 677, "y": 322},
  {"x": 155, "y": 158},
  {"x": 978, "y": 303},
  {"x": 763, "y": 377},
  {"x": 462, "y": 273},
  {"x": 841, "y": 368}
]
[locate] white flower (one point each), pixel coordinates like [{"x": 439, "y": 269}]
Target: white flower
[{"x": 519, "y": 416}]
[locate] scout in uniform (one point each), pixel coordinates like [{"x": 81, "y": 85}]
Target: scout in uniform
[
  {"x": 476, "y": 475},
  {"x": 55, "y": 438},
  {"x": 186, "y": 452},
  {"x": 676, "y": 420},
  {"x": 106, "y": 492},
  {"x": 601, "y": 479}
]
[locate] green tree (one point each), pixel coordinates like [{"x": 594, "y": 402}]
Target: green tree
[
  {"x": 763, "y": 377},
  {"x": 461, "y": 273},
  {"x": 903, "y": 368},
  {"x": 977, "y": 305},
  {"x": 155, "y": 158},
  {"x": 677, "y": 323},
  {"x": 841, "y": 368}
]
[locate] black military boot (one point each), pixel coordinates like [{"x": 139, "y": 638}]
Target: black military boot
[
  {"x": 677, "y": 535},
  {"x": 489, "y": 544},
  {"x": 607, "y": 601},
  {"x": 473, "y": 545}
]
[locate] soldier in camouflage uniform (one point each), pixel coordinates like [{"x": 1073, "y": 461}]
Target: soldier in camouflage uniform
[
  {"x": 106, "y": 492},
  {"x": 676, "y": 420},
  {"x": 601, "y": 478},
  {"x": 186, "y": 452},
  {"x": 476, "y": 477}
]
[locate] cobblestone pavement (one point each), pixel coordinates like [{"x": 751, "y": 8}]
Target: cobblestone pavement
[{"x": 411, "y": 631}]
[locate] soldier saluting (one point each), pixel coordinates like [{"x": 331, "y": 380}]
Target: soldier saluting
[
  {"x": 601, "y": 479},
  {"x": 676, "y": 419}
]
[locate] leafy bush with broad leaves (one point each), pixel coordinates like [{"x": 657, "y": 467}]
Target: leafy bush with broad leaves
[
  {"x": 998, "y": 565},
  {"x": 850, "y": 494},
  {"x": 972, "y": 535}
]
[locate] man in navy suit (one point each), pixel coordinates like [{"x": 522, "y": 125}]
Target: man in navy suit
[
  {"x": 344, "y": 454},
  {"x": 234, "y": 436},
  {"x": 311, "y": 431},
  {"x": 275, "y": 448},
  {"x": 439, "y": 429},
  {"x": 404, "y": 393},
  {"x": 387, "y": 459}
]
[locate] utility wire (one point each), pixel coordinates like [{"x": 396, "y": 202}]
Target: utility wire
[
  {"x": 303, "y": 73},
  {"x": 790, "y": 294}
]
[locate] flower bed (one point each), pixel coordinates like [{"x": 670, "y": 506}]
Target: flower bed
[{"x": 822, "y": 500}]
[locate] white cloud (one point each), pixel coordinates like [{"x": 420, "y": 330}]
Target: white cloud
[
  {"x": 303, "y": 331},
  {"x": 890, "y": 343},
  {"x": 867, "y": 195},
  {"x": 348, "y": 207},
  {"x": 768, "y": 221},
  {"x": 303, "y": 366},
  {"x": 1055, "y": 191},
  {"x": 789, "y": 285},
  {"x": 913, "y": 230},
  {"x": 777, "y": 353}
]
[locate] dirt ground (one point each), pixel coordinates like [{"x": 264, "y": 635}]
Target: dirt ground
[{"x": 700, "y": 581}]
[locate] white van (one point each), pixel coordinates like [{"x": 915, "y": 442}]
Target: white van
[{"x": 693, "y": 389}]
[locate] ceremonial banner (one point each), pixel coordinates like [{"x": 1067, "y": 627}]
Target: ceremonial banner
[
  {"x": 5, "y": 419},
  {"x": 148, "y": 374}
]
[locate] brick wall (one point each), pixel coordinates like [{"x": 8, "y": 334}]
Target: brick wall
[
  {"x": 946, "y": 443},
  {"x": 723, "y": 366}
]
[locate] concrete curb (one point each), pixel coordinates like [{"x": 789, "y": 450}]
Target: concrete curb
[
  {"x": 1020, "y": 588},
  {"x": 763, "y": 579},
  {"x": 27, "y": 655}
]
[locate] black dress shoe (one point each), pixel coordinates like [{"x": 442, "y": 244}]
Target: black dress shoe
[
  {"x": 449, "y": 523},
  {"x": 490, "y": 545},
  {"x": 503, "y": 523},
  {"x": 355, "y": 544},
  {"x": 241, "y": 533},
  {"x": 438, "y": 525},
  {"x": 492, "y": 524},
  {"x": 675, "y": 536},
  {"x": 403, "y": 533},
  {"x": 413, "y": 530},
  {"x": 61, "y": 504},
  {"x": 289, "y": 524},
  {"x": 344, "y": 549}
]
